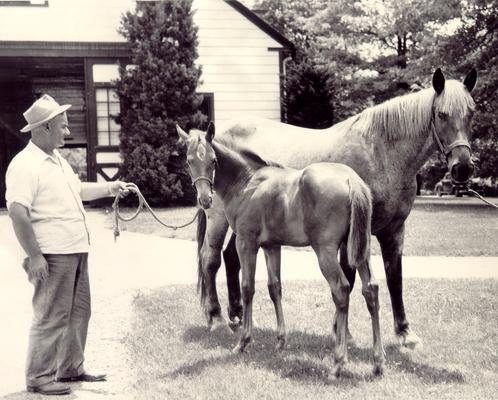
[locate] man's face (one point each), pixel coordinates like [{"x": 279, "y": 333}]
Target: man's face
[{"x": 57, "y": 129}]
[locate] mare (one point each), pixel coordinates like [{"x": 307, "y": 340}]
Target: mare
[
  {"x": 267, "y": 206},
  {"x": 386, "y": 145}
]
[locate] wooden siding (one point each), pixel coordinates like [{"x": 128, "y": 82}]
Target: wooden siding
[
  {"x": 240, "y": 64},
  {"x": 65, "y": 20}
]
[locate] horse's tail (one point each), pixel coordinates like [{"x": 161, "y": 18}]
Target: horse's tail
[
  {"x": 361, "y": 221},
  {"x": 201, "y": 231}
]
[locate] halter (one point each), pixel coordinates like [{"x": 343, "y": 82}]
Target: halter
[
  {"x": 203, "y": 178},
  {"x": 448, "y": 149}
]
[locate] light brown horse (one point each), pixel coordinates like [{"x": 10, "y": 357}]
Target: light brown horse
[
  {"x": 386, "y": 145},
  {"x": 267, "y": 206}
]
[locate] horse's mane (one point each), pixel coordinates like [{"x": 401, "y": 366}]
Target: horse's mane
[
  {"x": 409, "y": 115},
  {"x": 249, "y": 156}
]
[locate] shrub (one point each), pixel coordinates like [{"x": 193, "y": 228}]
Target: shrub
[
  {"x": 157, "y": 93},
  {"x": 309, "y": 96}
]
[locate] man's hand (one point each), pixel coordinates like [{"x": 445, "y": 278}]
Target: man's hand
[
  {"x": 124, "y": 187},
  {"x": 97, "y": 190},
  {"x": 36, "y": 267}
]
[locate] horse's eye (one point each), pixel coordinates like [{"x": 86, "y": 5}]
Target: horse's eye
[{"x": 442, "y": 115}]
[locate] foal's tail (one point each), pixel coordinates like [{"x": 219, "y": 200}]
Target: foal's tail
[
  {"x": 201, "y": 231},
  {"x": 360, "y": 224}
]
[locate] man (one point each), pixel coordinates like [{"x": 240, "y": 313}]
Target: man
[{"x": 44, "y": 198}]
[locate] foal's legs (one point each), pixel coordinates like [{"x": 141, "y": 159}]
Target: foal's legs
[
  {"x": 348, "y": 270},
  {"x": 210, "y": 261},
  {"x": 272, "y": 256},
  {"x": 247, "y": 254},
  {"x": 370, "y": 290},
  {"x": 350, "y": 273},
  {"x": 339, "y": 286}
]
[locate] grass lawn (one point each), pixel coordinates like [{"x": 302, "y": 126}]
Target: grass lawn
[
  {"x": 175, "y": 357},
  {"x": 437, "y": 228}
]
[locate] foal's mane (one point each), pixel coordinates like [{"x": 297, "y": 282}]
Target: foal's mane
[{"x": 410, "y": 115}]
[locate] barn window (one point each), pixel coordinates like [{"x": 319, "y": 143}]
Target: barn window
[{"x": 107, "y": 103}]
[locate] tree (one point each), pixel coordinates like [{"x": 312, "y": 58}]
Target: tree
[
  {"x": 380, "y": 48},
  {"x": 396, "y": 29},
  {"x": 157, "y": 93},
  {"x": 375, "y": 49},
  {"x": 290, "y": 17},
  {"x": 475, "y": 44},
  {"x": 309, "y": 100}
]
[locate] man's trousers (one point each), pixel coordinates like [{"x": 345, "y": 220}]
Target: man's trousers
[{"x": 61, "y": 311}]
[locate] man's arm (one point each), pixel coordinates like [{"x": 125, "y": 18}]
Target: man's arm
[
  {"x": 23, "y": 229},
  {"x": 96, "y": 190}
]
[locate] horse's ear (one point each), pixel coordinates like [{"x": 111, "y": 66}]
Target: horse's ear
[
  {"x": 438, "y": 81},
  {"x": 210, "y": 132},
  {"x": 470, "y": 80},
  {"x": 182, "y": 135}
]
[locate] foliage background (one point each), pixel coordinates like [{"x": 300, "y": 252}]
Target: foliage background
[
  {"x": 349, "y": 55},
  {"x": 372, "y": 50},
  {"x": 157, "y": 93}
]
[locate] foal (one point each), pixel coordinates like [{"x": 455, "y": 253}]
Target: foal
[{"x": 322, "y": 205}]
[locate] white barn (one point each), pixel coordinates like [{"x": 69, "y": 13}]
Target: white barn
[{"x": 72, "y": 50}]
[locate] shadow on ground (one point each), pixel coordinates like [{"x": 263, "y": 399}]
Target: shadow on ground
[
  {"x": 79, "y": 392},
  {"x": 296, "y": 361}
]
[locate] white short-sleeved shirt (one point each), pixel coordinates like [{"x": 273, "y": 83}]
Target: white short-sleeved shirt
[{"x": 48, "y": 187}]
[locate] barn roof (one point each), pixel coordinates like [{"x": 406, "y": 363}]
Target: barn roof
[{"x": 261, "y": 24}]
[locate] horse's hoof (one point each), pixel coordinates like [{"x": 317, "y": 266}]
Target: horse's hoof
[
  {"x": 378, "y": 369},
  {"x": 335, "y": 373},
  {"x": 280, "y": 344},
  {"x": 409, "y": 339},
  {"x": 234, "y": 324},
  {"x": 235, "y": 317},
  {"x": 239, "y": 349}
]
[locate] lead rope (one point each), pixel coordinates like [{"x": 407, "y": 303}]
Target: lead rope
[
  {"x": 141, "y": 204},
  {"x": 474, "y": 193}
]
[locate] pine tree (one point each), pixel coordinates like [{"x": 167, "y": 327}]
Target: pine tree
[
  {"x": 156, "y": 93},
  {"x": 309, "y": 100}
]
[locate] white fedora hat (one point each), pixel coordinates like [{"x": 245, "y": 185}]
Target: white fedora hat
[{"x": 42, "y": 110}]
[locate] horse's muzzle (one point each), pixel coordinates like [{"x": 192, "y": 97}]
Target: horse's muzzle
[
  {"x": 461, "y": 172},
  {"x": 205, "y": 201}
]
